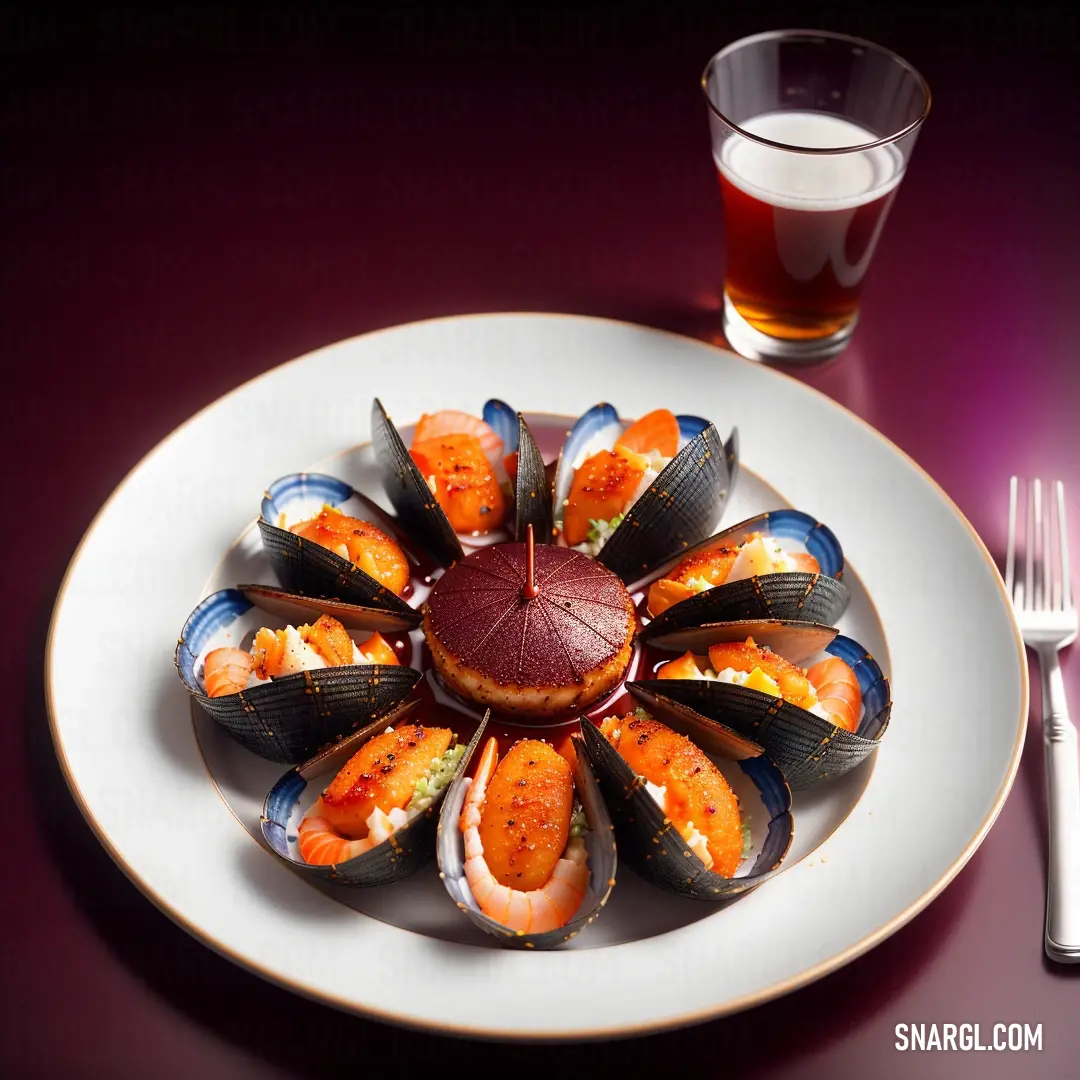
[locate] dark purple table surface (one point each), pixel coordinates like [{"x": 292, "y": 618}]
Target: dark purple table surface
[{"x": 188, "y": 199}]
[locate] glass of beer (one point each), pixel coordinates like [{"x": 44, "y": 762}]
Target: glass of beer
[{"x": 811, "y": 134}]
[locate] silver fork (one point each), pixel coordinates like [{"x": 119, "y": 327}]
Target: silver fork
[{"x": 1043, "y": 602}]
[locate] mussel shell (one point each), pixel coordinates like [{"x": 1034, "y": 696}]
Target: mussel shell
[
  {"x": 650, "y": 843},
  {"x": 807, "y": 748},
  {"x": 289, "y": 719},
  {"x": 819, "y": 598},
  {"x": 602, "y": 423},
  {"x": 731, "y": 451},
  {"x": 793, "y": 640},
  {"x": 680, "y": 507},
  {"x": 310, "y": 569},
  {"x": 295, "y": 607},
  {"x": 797, "y": 595},
  {"x": 408, "y": 492},
  {"x": 401, "y": 854},
  {"x": 532, "y": 488},
  {"x": 504, "y": 422},
  {"x": 599, "y": 840},
  {"x": 715, "y": 738}
]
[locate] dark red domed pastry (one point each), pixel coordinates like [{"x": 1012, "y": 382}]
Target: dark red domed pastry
[{"x": 547, "y": 654}]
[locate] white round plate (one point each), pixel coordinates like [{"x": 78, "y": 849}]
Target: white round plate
[{"x": 176, "y": 804}]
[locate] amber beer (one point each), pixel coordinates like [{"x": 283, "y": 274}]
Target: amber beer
[{"x": 801, "y": 228}]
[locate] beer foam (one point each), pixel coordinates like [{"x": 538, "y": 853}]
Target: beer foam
[{"x": 809, "y": 181}]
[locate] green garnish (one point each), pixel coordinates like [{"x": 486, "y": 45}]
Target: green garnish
[
  {"x": 642, "y": 714},
  {"x": 603, "y": 529},
  {"x": 437, "y": 777},
  {"x": 579, "y": 823},
  {"x": 747, "y": 839}
]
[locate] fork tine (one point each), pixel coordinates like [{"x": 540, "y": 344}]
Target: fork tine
[
  {"x": 1052, "y": 525},
  {"x": 1010, "y": 553},
  {"x": 1021, "y": 514},
  {"x": 1047, "y": 564},
  {"x": 1029, "y": 549},
  {"x": 1036, "y": 541},
  {"x": 1063, "y": 540}
]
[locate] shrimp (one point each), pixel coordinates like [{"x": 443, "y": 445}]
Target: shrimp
[
  {"x": 367, "y": 547},
  {"x": 226, "y": 671},
  {"x": 452, "y": 422},
  {"x": 321, "y": 844},
  {"x": 838, "y": 691},
  {"x": 548, "y": 907},
  {"x": 707, "y": 569}
]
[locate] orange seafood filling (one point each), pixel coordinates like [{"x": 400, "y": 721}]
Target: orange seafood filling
[
  {"x": 377, "y": 650},
  {"x": 367, "y": 801},
  {"x": 510, "y": 463},
  {"x": 830, "y": 684},
  {"x": 463, "y": 482},
  {"x": 525, "y": 820},
  {"x": 769, "y": 672},
  {"x": 327, "y": 637},
  {"x": 697, "y": 797},
  {"x": 601, "y": 489},
  {"x": 382, "y": 774},
  {"x": 514, "y": 821},
  {"x": 605, "y": 484},
  {"x": 367, "y": 547},
  {"x": 706, "y": 569},
  {"x": 226, "y": 670},
  {"x": 656, "y": 432}
]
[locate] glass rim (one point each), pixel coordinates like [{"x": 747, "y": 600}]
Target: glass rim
[{"x": 834, "y": 36}]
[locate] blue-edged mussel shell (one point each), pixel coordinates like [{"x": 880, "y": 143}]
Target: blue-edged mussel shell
[
  {"x": 650, "y": 843},
  {"x": 401, "y": 854},
  {"x": 807, "y": 748},
  {"x": 289, "y": 719},
  {"x": 599, "y": 841},
  {"x": 417, "y": 508},
  {"x": 533, "y": 484},
  {"x": 421, "y": 514},
  {"x": 308, "y": 568},
  {"x": 681, "y": 507},
  {"x": 818, "y": 598},
  {"x": 503, "y": 421}
]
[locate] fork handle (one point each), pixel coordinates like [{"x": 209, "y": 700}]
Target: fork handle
[{"x": 1062, "y": 937}]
